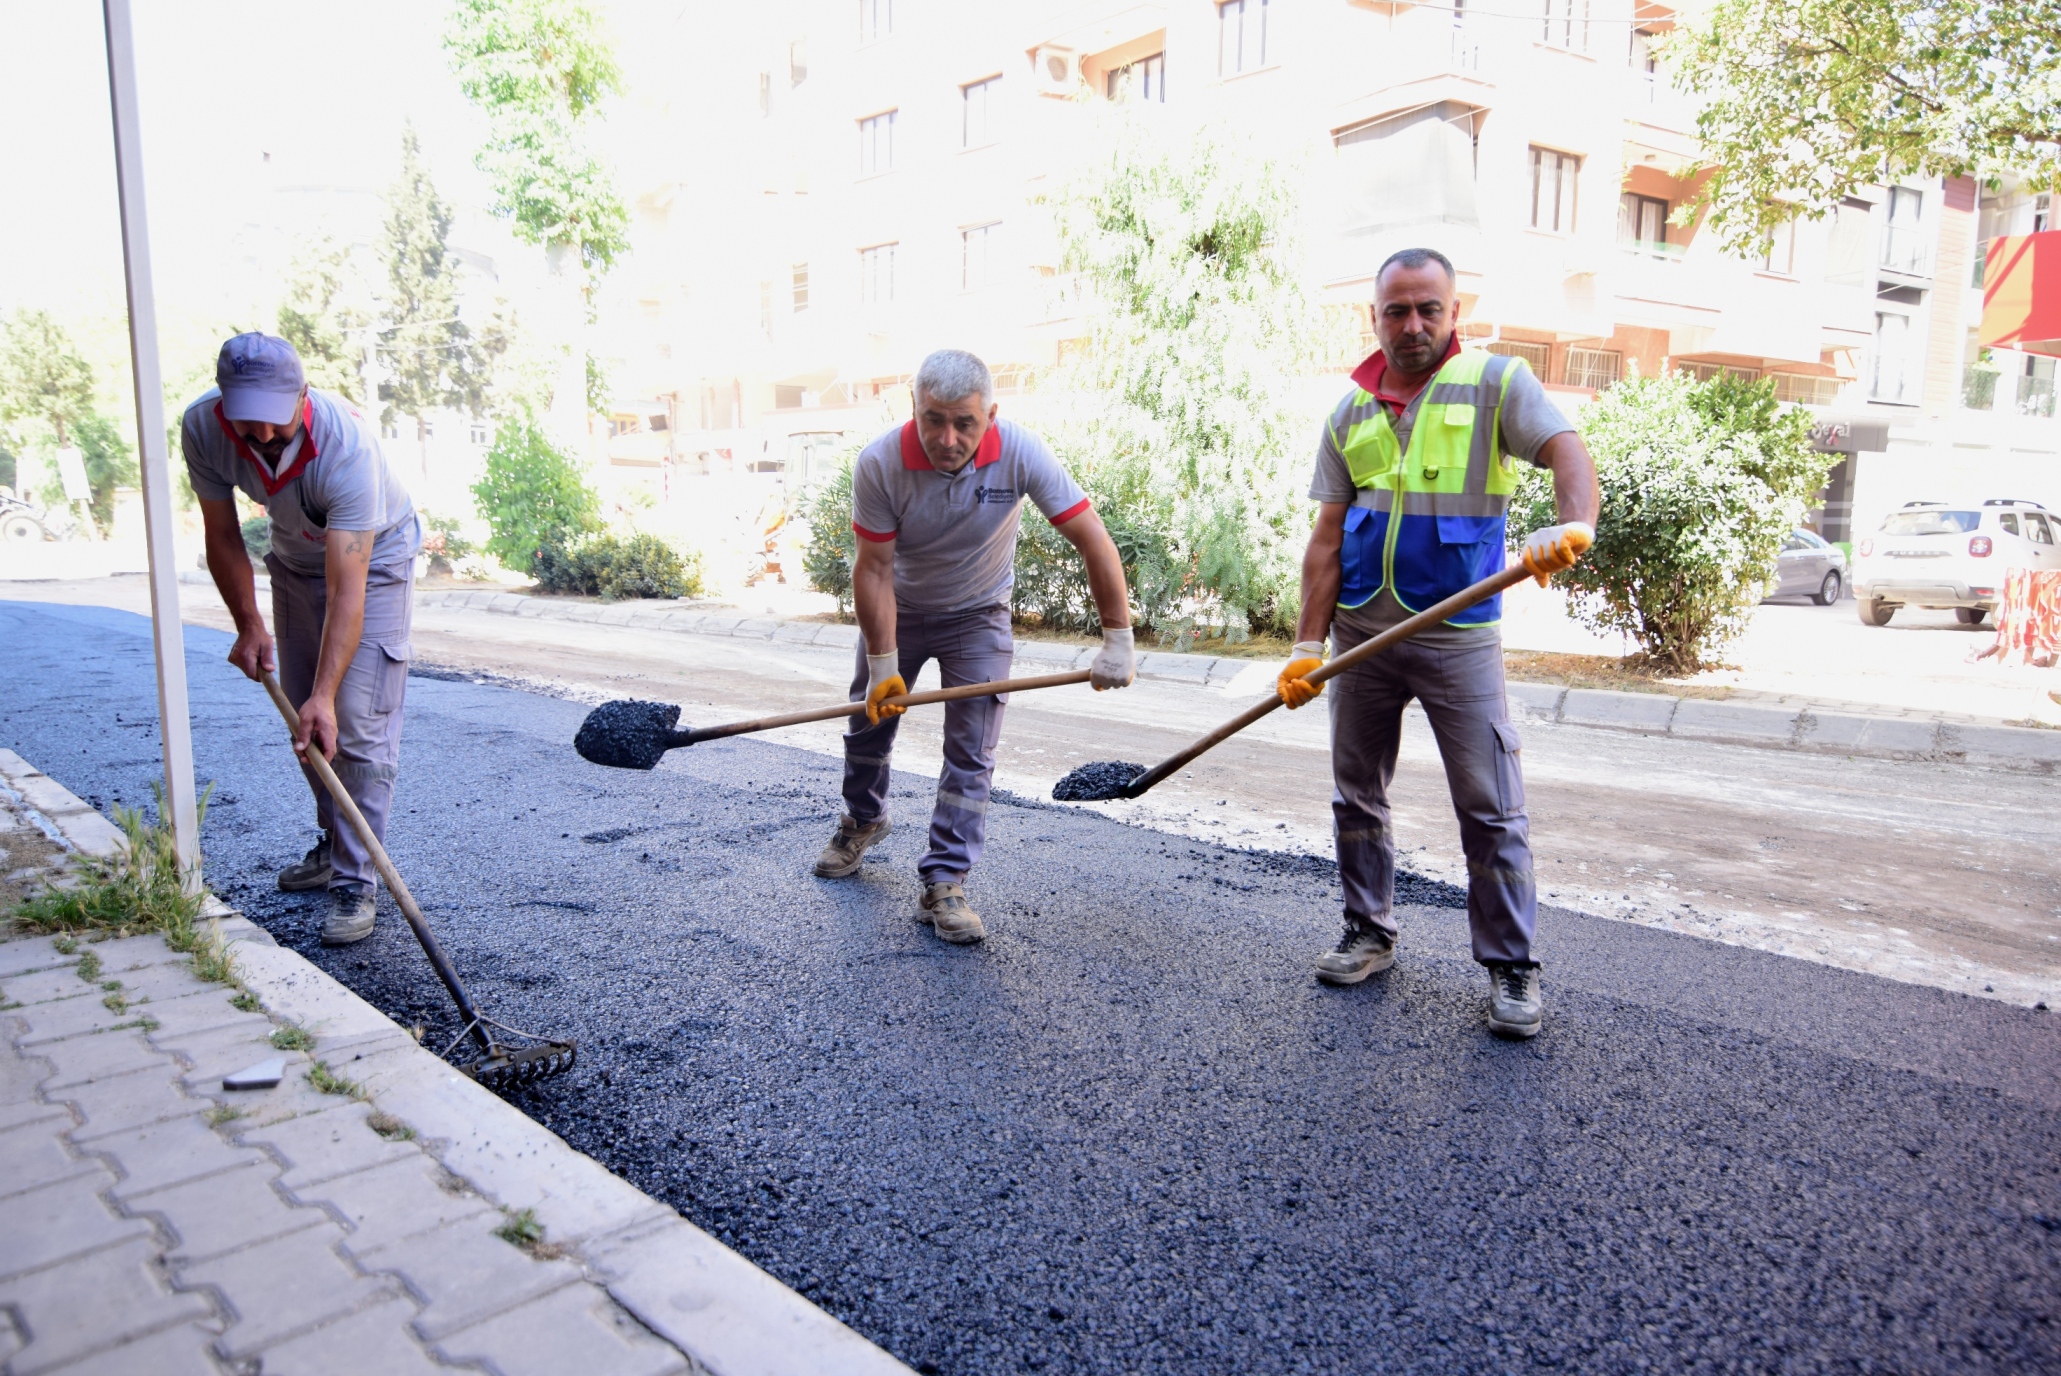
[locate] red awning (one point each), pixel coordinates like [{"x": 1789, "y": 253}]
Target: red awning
[{"x": 2021, "y": 293}]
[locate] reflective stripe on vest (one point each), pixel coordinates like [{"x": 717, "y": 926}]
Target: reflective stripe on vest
[{"x": 1452, "y": 486}]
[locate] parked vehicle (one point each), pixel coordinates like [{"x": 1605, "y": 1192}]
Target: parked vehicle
[
  {"x": 1930, "y": 554},
  {"x": 21, "y": 523},
  {"x": 1809, "y": 567}
]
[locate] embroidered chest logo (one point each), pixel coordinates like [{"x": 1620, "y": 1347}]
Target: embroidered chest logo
[{"x": 994, "y": 496}]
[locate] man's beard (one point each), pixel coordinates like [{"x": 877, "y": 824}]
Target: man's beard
[
  {"x": 1415, "y": 353},
  {"x": 270, "y": 450}
]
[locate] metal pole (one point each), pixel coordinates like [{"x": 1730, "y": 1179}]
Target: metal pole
[{"x": 175, "y": 724}]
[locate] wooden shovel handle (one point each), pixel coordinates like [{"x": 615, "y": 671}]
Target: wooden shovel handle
[
  {"x": 1365, "y": 650},
  {"x": 849, "y": 709}
]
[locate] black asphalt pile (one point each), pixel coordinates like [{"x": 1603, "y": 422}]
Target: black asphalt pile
[
  {"x": 629, "y": 734},
  {"x": 1099, "y": 781},
  {"x": 1130, "y": 1132}
]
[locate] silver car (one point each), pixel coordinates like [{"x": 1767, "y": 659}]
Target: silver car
[{"x": 1809, "y": 567}]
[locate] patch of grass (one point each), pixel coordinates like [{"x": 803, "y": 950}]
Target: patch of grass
[
  {"x": 223, "y": 1113},
  {"x": 110, "y": 984},
  {"x": 212, "y": 960},
  {"x": 245, "y": 1002},
  {"x": 327, "y": 1081},
  {"x": 88, "y": 967},
  {"x": 116, "y": 1001},
  {"x": 389, "y": 1127},
  {"x": 145, "y": 1023},
  {"x": 65, "y": 944},
  {"x": 140, "y": 888},
  {"x": 523, "y": 1230},
  {"x": 293, "y": 1037}
]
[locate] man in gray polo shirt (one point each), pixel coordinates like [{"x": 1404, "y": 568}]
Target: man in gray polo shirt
[
  {"x": 936, "y": 504},
  {"x": 344, "y": 540}
]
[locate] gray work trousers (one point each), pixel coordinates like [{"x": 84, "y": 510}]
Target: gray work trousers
[
  {"x": 1461, "y": 688},
  {"x": 969, "y": 647},
  {"x": 368, "y": 701}
]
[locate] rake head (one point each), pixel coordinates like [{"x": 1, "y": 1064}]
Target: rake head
[
  {"x": 630, "y": 734},
  {"x": 1099, "y": 781},
  {"x": 512, "y": 1068}
]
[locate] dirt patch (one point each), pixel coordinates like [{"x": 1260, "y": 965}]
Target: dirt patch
[
  {"x": 28, "y": 859},
  {"x": 1629, "y": 674}
]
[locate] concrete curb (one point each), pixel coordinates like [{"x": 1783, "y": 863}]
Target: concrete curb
[
  {"x": 1711, "y": 719},
  {"x": 725, "y": 1313}
]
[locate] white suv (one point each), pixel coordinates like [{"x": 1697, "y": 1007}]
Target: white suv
[{"x": 1930, "y": 554}]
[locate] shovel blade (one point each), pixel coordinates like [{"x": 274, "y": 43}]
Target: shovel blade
[{"x": 628, "y": 734}]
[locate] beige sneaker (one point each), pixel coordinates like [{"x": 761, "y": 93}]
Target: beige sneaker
[
  {"x": 849, "y": 846},
  {"x": 946, "y": 910}
]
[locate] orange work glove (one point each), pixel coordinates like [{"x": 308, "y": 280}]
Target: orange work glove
[
  {"x": 1548, "y": 551},
  {"x": 1295, "y": 689},
  {"x": 884, "y": 676}
]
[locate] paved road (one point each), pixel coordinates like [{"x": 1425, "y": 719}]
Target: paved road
[{"x": 1129, "y": 1133}]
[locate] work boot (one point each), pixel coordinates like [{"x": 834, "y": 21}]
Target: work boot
[
  {"x": 351, "y": 914},
  {"x": 311, "y": 871},
  {"x": 849, "y": 846},
  {"x": 946, "y": 910},
  {"x": 1364, "y": 950},
  {"x": 1514, "y": 1006}
]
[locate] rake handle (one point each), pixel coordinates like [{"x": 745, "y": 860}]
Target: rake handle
[
  {"x": 851, "y": 709},
  {"x": 382, "y": 862},
  {"x": 1365, "y": 650}
]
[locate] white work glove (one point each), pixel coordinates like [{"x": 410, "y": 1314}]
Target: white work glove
[
  {"x": 1294, "y": 689},
  {"x": 1554, "y": 548},
  {"x": 1116, "y": 663},
  {"x": 884, "y": 680}
]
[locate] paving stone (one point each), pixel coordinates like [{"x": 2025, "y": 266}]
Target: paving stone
[
  {"x": 33, "y": 1158},
  {"x": 127, "y": 1101},
  {"x": 1627, "y": 711},
  {"x": 158, "y": 982},
  {"x": 12, "y": 1340},
  {"x": 375, "y": 1340},
  {"x": 613, "y": 616},
  {"x": 79, "y": 1060},
  {"x": 77, "y": 1017},
  {"x": 319, "y": 1146},
  {"x": 1541, "y": 699},
  {"x": 1704, "y": 719},
  {"x": 284, "y": 1287},
  {"x": 467, "y": 1274},
  {"x": 94, "y": 1303},
  {"x": 390, "y": 1203},
  {"x": 219, "y": 1213},
  {"x": 219, "y": 1050},
  {"x": 28, "y": 955},
  {"x": 132, "y": 953},
  {"x": 61, "y": 1221},
  {"x": 505, "y": 602},
  {"x": 1869, "y": 735},
  {"x": 181, "y": 1351},
  {"x": 720, "y": 625},
  {"x": 2019, "y": 744},
  {"x": 755, "y": 628},
  {"x": 48, "y": 985},
  {"x": 296, "y": 991},
  {"x": 1175, "y": 668},
  {"x": 798, "y": 632},
  {"x": 170, "y": 1153},
  {"x": 846, "y": 636},
  {"x": 20, "y": 1076},
  {"x": 578, "y": 1328}
]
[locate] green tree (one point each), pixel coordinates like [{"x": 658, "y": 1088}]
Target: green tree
[
  {"x": 1811, "y": 100},
  {"x": 110, "y": 463},
  {"x": 431, "y": 359},
  {"x": 1701, "y": 481},
  {"x": 533, "y": 496},
  {"x": 44, "y": 380},
  {"x": 1185, "y": 421},
  {"x": 539, "y": 69},
  {"x": 323, "y": 316}
]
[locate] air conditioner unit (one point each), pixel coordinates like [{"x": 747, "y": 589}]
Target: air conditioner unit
[{"x": 1056, "y": 70}]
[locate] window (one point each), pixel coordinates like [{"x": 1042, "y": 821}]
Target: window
[
  {"x": 766, "y": 307},
  {"x": 877, "y": 144},
  {"x": 1552, "y": 190},
  {"x": 797, "y": 62},
  {"x": 479, "y": 435},
  {"x": 1704, "y": 372},
  {"x": 2042, "y": 211},
  {"x": 976, "y": 103},
  {"x": 1567, "y": 24},
  {"x": 1410, "y": 171},
  {"x": 1144, "y": 79},
  {"x": 1241, "y": 36},
  {"x": 801, "y": 287},
  {"x": 1933, "y": 522},
  {"x": 1810, "y": 391},
  {"x": 1642, "y": 223},
  {"x": 2036, "y": 529},
  {"x": 765, "y": 94},
  {"x": 973, "y": 256},
  {"x": 1897, "y": 374},
  {"x": 877, "y": 274},
  {"x": 876, "y": 20},
  {"x": 624, "y": 425},
  {"x": 2009, "y": 521},
  {"x": 1535, "y": 356},
  {"x": 1594, "y": 368},
  {"x": 1645, "y": 66},
  {"x": 1779, "y": 253},
  {"x": 1903, "y": 247}
]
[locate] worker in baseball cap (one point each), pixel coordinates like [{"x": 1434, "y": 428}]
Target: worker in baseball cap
[{"x": 344, "y": 540}]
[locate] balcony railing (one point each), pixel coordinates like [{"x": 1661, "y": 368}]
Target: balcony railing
[
  {"x": 1906, "y": 250},
  {"x": 1650, "y": 248},
  {"x": 2036, "y": 396},
  {"x": 1979, "y": 388}
]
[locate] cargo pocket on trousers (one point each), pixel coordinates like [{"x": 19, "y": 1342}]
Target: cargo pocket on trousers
[
  {"x": 1509, "y": 774},
  {"x": 392, "y": 686}
]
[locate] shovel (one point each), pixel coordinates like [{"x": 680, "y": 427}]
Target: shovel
[
  {"x": 500, "y": 1067},
  {"x": 629, "y": 734},
  {"x": 1107, "y": 780}
]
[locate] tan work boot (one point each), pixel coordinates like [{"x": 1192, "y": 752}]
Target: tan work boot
[
  {"x": 849, "y": 846},
  {"x": 946, "y": 910}
]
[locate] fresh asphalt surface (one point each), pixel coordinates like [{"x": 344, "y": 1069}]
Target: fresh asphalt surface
[{"x": 1129, "y": 1132}]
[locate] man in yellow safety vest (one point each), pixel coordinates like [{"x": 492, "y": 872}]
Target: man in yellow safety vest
[{"x": 1414, "y": 473}]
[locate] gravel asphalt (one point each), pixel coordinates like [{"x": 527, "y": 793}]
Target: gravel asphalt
[{"x": 1129, "y": 1132}]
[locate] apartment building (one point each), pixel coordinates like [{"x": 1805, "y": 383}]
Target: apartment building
[{"x": 828, "y": 189}]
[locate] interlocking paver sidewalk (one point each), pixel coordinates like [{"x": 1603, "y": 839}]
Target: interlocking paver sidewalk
[{"x": 157, "y": 1222}]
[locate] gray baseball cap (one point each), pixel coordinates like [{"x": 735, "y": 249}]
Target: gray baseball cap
[{"x": 260, "y": 377}]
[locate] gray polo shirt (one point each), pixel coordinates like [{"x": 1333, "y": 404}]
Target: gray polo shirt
[
  {"x": 955, "y": 533},
  {"x": 335, "y": 477}
]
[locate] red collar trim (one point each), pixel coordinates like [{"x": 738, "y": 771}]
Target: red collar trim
[
  {"x": 915, "y": 460},
  {"x": 1373, "y": 372},
  {"x": 300, "y": 461}
]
